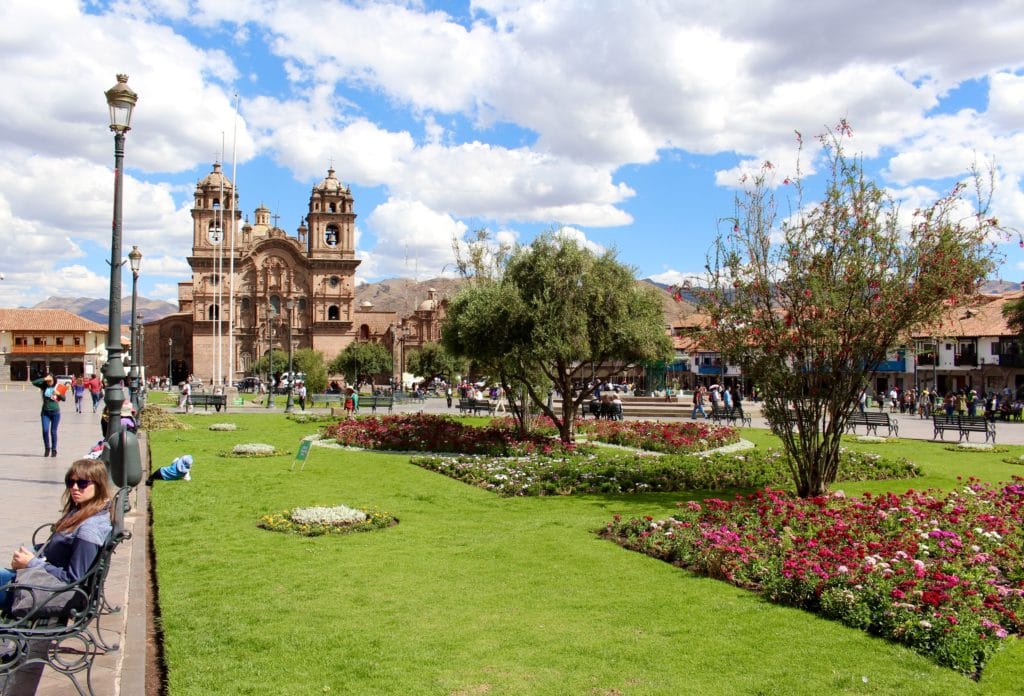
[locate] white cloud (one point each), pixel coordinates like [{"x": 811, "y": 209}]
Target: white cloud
[
  {"x": 674, "y": 277},
  {"x": 412, "y": 240}
]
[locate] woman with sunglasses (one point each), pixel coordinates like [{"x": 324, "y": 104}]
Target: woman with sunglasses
[{"x": 78, "y": 536}]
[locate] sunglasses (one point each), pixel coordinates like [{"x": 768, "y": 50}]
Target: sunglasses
[{"x": 80, "y": 484}]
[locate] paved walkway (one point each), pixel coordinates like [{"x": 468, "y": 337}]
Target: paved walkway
[{"x": 31, "y": 487}]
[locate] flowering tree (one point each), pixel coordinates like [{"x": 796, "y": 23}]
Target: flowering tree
[{"x": 809, "y": 307}]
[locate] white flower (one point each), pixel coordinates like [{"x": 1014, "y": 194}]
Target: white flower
[
  {"x": 254, "y": 449},
  {"x": 333, "y": 516}
]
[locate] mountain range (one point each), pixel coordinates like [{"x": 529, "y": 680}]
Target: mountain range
[{"x": 401, "y": 295}]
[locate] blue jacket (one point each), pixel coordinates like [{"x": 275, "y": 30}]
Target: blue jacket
[
  {"x": 177, "y": 469},
  {"x": 67, "y": 556}
]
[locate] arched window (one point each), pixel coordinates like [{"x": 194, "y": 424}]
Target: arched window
[
  {"x": 333, "y": 313},
  {"x": 364, "y": 333},
  {"x": 333, "y": 208},
  {"x": 331, "y": 235},
  {"x": 302, "y": 304},
  {"x": 213, "y": 312},
  {"x": 275, "y": 302},
  {"x": 246, "y": 304}
]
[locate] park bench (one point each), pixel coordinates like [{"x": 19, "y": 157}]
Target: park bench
[
  {"x": 872, "y": 422},
  {"x": 375, "y": 401},
  {"x": 476, "y": 406},
  {"x": 327, "y": 400},
  {"x": 63, "y": 633},
  {"x": 218, "y": 401},
  {"x": 719, "y": 414},
  {"x": 964, "y": 425}
]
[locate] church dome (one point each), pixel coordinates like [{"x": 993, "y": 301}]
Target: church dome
[
  {"x": 429, "y": 304},
  {"x": 215, "y": 178},
  {"x": 330, "y": 184}
]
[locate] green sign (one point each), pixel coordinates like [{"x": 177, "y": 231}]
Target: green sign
[{"x": 301, "y": 455}]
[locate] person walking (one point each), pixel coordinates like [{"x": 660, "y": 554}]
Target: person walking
[
  {"x": 95, "y": 391},
  {"x": 79, "y": 390},
  {"x": 301, "y": 391},
  {"x": 50, "y": 413},
  {"x": 698, "y": 402}
]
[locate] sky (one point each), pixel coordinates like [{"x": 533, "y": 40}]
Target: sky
[{"x": 626, "y": 123}]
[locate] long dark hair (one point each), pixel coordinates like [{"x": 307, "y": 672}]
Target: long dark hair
[{"x": 91, "y": 470}]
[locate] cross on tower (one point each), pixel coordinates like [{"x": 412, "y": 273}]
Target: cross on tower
[{"x": 276, "y": 218}]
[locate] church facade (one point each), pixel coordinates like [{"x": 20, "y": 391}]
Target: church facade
[{"x": 253, "y": 286}]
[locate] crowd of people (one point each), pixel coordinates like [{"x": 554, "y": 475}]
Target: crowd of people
[{"x": 966, "y": 401}]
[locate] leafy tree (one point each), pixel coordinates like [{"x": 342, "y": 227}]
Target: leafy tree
[
  {"x": 311, "y": 362},
  {"x": 278, "y": 363},
  {"x": 557, "y": 310},
  {"x": 362, "y": 359},
  {"x": 809, "y": 307},
  {"x": 433, "y": 360},
  {"x": 1013, "y": 312}
]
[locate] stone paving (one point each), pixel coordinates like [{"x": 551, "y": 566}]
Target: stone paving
[{"x": 31, "y": 487}]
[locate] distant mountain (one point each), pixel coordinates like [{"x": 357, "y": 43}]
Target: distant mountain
[
  {"x": 997, "y": 287},
  {"x": 97, "y": 310},
  {"x": 404, "y": 295}
]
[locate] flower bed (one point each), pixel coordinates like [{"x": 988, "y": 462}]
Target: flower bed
[
  {"x": 318, "y": 521},
  {"x": 625, "y": 472},
  {"x": 427, "y": 433},
  {"x": 941, "y": 573},
  {"x": 660, "y": 437},
  {"x": 224, "y": 427}
]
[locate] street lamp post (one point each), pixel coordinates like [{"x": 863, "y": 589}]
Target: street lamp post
[
  {"x": 170, "y": 357},
  {"x": 121, "y": 100},
  {"x": 290, "y": 304},
  {"x": 141, "y": 362},
  {"x": 135, "y": 261},
  {"x": 270, "y": 355}
]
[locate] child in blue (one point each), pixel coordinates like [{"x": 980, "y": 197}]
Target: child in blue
[{"x": 180, "y": 468}]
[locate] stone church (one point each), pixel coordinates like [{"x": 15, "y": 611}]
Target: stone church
[{"x": 275, "y": 284}]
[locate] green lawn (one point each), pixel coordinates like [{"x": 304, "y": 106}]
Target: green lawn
[{"x": 475, "y": 594}]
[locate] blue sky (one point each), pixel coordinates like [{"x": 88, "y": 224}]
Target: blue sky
[{"x": 628, "y": 123}]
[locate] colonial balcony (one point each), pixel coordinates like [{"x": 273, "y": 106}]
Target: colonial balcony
[
  {"x": 1011, "y": 360},
  {"x": 48, "y": 350},
  {"x": 966, "y": 360},
  {"x": 926, "y": 358}
]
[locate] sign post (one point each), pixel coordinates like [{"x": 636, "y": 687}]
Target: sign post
[{"x": 303, "y": 452}]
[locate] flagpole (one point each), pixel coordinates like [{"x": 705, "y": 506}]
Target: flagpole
[
  {"x": 231, "y": 262},
  {"x": 217, "y": 353}
]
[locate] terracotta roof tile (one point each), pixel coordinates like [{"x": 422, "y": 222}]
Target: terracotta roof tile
[
  {"x": 45, "y": 320},
  {"x": 982, "y": 317}
]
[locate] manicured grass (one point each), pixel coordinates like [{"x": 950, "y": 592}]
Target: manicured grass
[{"x": 472, "y": 593}]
